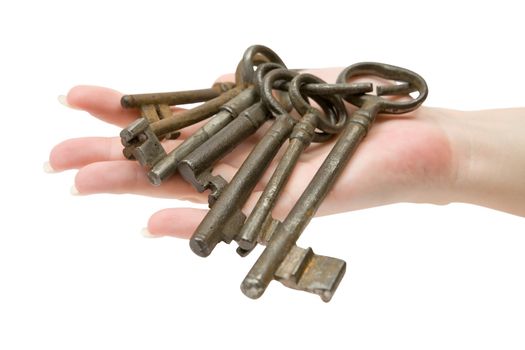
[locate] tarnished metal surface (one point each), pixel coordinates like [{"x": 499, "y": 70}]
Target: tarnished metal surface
[
  {"x": 175, "y": 98},
  {"x": 227, "y": 112},
  {"x": 300, "y": 137},
  {"x": 266, "y": 91},
  {"x": 213, "y": 227}
]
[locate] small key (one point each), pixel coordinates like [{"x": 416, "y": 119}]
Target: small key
[
  {"x": 141, "y": 139},
  {"x": 227, "y": 112},
  {"x": 196, "y": 167},
  {"x": 191, "y": 116},
  {"x": 280, "y": 248}
]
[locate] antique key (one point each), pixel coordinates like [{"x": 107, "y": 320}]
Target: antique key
[
  {"x": 282, "y": 259},
  {"x": 303, "y": 133},
  {"x": 225, "y": 215},
  {"x": 167, "y": 166},
  {"x": 196, "y": 166}
]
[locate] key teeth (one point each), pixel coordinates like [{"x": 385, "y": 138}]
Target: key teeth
[
  {"x": 150, "y": 152},
  {"x": 133, "y": 130},
  {"x": 304, "y": 270}
]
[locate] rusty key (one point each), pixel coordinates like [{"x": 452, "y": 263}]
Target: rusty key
[
  {"x": 167, "y": 166},
  {"x": 225, "y": 216},
  {"x": 196, "y": 166},
  {"x": 303, "y": 133},
  {"x": 302, "y": 269}
]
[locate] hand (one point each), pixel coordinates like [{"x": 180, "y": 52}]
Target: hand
[{"x": 408, "y": 158}]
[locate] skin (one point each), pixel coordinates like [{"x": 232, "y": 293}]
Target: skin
[{"x": 431, "y": 155}]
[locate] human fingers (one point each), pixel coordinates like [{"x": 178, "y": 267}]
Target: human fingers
[
  {"x": 176, "y": 222},
  {"x": 79, "y": 152},
  {"x": 103, "y": 103},
  {"x": 123, "y": 176}
]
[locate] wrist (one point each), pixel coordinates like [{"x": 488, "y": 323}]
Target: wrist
[{"x": 489, "y": 160}]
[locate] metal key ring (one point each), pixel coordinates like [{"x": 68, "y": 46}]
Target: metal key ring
[
  {"x": 276, "y": 107},
  {"x": 335, "y": 115},
  {"x": 389, "y": 72},
  {"x": 333, "y": 110},
  {"x": 249, "y": 59},
  {"x": 283, "y": 103}
]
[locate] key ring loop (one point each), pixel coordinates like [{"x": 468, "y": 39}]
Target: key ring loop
[
  {"x": 389, "y": 72},
  {"x": 253, "y": 57},
  {"x": 283, "y": 74},
  {"x": 334, "y": 118}
]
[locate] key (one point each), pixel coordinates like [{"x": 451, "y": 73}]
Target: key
[
  {"x": 141, "y": 139},
  {"x": 301, "y": 136},
  {"x": 281, "y": 248},
  {"x": 196, "y": 166},
  {"x": 222, "y": 221},
  {"x": 227, "y": 112},
  {"x": 175, "y": 98},
  {"x": 191, "y": 116}
]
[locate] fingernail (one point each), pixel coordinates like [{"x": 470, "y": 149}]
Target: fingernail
[
  {"x": 63, "y": 100},
  {"x": 145, "y": 232},
  {"x": 74, "y": 191},
  {"x": 48, "y": 168}
]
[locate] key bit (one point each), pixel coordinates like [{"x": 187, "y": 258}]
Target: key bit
[
  {"x": 309, "y": 272},
  {"x": 140, "y": 143}
]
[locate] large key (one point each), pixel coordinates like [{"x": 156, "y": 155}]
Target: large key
[
  {"x": 225, "y": 215},
  {"x": 280, "y": 259},
  {"x": 301, "y": 136}
]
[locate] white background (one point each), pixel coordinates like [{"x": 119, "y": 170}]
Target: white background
[{"x": 76, "y": 274}]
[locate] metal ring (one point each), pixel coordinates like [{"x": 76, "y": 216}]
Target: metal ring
[
  {"x": 390, "y": 72},
  {"x": 246, "y": 72},
  {"x": 334, "y": 118},
  {"x": 273, "y": 104}
]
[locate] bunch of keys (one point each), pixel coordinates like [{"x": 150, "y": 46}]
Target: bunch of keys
[{"x": 265, "y": 91}]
